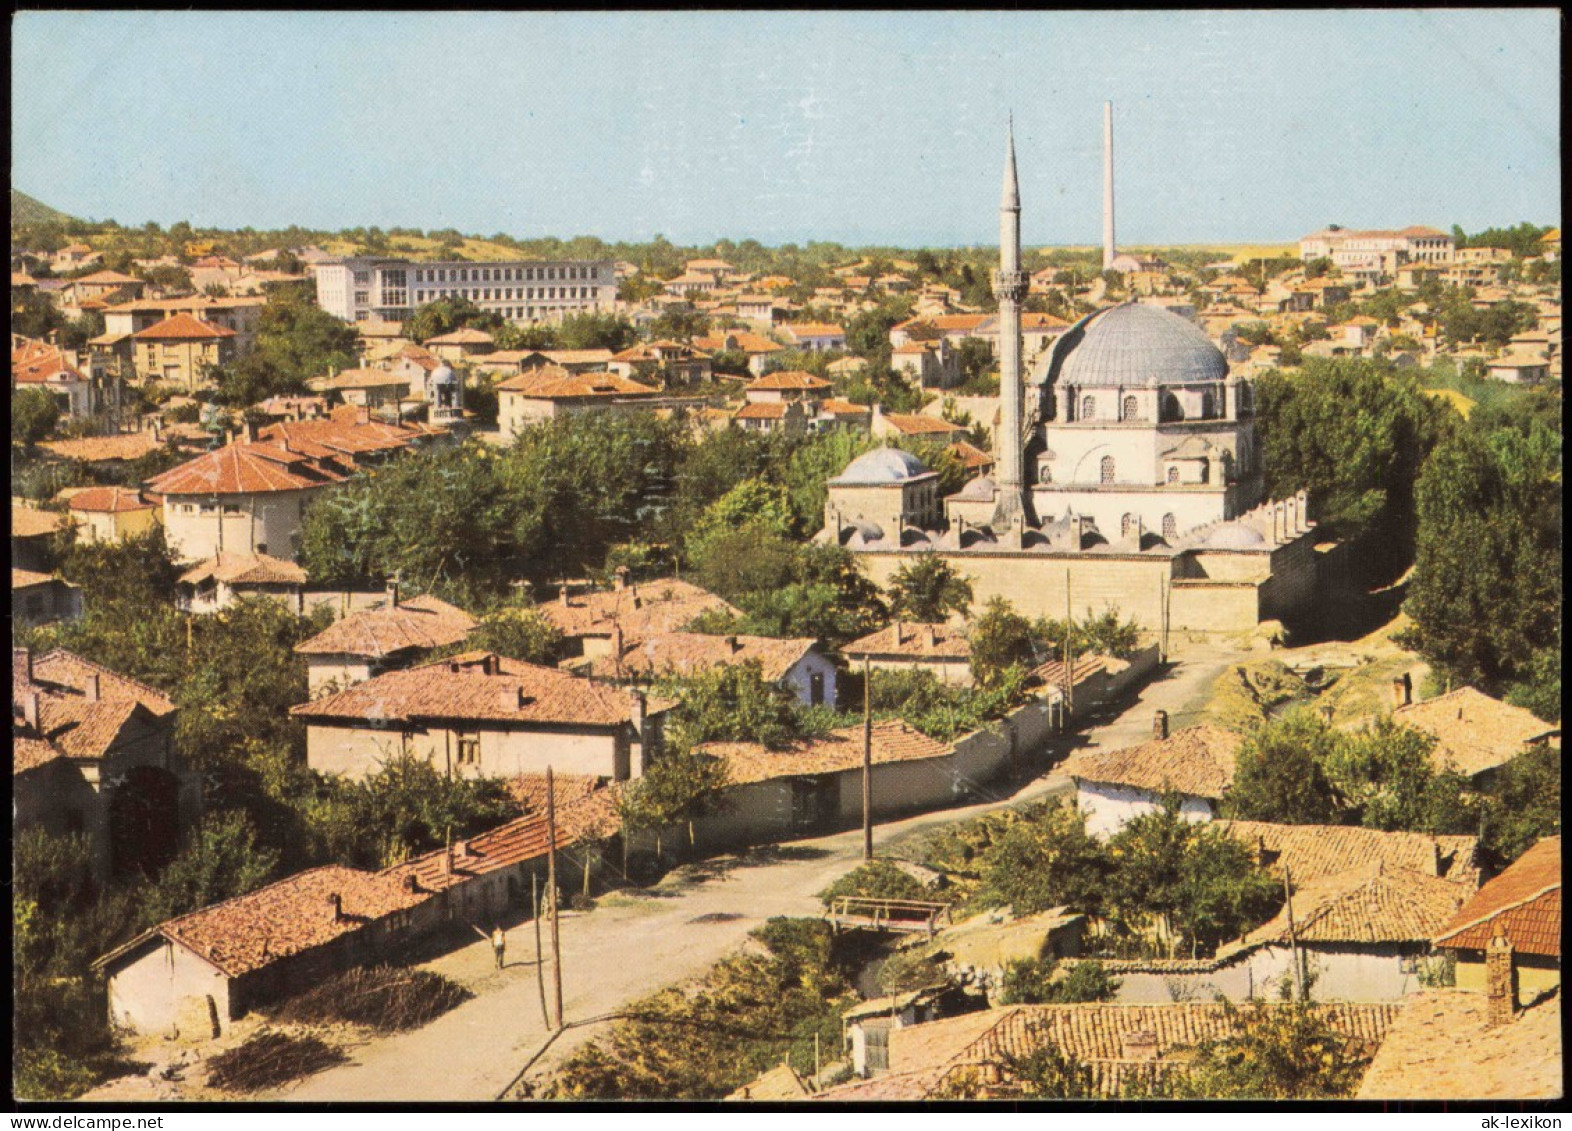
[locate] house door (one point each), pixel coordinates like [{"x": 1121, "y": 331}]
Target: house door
[
  {"x": 814, "y": 801},
  {"x": 876, "y": 1048},
  {"x": 816, "y": 689}
]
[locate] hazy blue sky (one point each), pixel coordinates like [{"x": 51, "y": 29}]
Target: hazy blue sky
[{"x": 864, "y": 127}]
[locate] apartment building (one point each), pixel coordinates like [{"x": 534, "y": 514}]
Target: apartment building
[{"x": 522, "y": 290}]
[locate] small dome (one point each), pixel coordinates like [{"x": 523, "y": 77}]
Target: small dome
[
  {"x": 442, "y": 374},
  {"x": 880, "y": 467},
  {"x": 1135, "y": 345},
  {"x": 1233, "y": 536}
]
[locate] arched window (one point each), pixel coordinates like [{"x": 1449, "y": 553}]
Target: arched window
[
  {"x": 1132, "y": 408},
  {"x": 1088, "y": 408},
  {"x": 1170, "y": 528},
  {"x": 1173, "y": 475},
  {"x": 1126, "y": 525},
  {"x": 1208, "y": 406},
  {"x": 1172, "y": 410},
  {"x": 1105, "y": 471}
]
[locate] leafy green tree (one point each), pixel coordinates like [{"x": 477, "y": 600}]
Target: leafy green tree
[
  {"x": 445, "y": 315},
  {"x": 1279, "y": 774},
  {"x": 221, "y": 860},
  {"x": 877, "y": 879},
  {"x": 1039, "y": 981},
  {"x": 1001, "y": 639},
  {"x": 732, "y": 703},
  {"x": 1383, "y": 775},
  {"x": 522, "y": 634},
  {"x": 678, "y": 789},
  {"x": 1522, "y": 804},
  {"x": 1285, "y": 1051},
  {"x": 1047, "y": 859},
  {"x": 591, "y": 331},
  {"x": 34, "y": 414},
  {"x": 927, "y": 589}
]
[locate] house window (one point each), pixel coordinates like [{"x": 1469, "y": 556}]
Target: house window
[
  {"x": 1171, "y": 408},
  {"x": 1105, "y": 470},
  {"x": 469, "y": 748},
  {"x": 1088, "y": 408},
  {"x": 231, "y": 508},
  {"x": 1170, "y": 527},
  {"x": 1126, "y": 525},
  {"x": 1208, "y": 406},
  {"x": 1173, "y": 475},
  {"x": 1132, "y": 409}
]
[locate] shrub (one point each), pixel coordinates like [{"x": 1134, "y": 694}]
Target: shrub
[{"x": 388, "y": 999}]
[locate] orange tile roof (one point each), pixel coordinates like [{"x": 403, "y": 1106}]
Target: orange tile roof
[
  {"x": 916, "y": 425},
  {"x": 1474, "y": 732},
  {"x": 36, "y": 363},
  {"x": 834, "y": 406},
  {"x": 1082, "y": 668},
  {"x": 1523, "y": 903},
  {"x": 111, "y": 277},
  {"x": 1198, "y": 761},
  {"x": 69, "y": 721},
  {"x": 789, "y": 380},
  {"x": 182, "y": 327},
  {"x": 893, "y": 741},
  {"x": 642, "y": 610},
  {"x": 972, "y": 457},
  {"x": 343, "y": 436},
  {"x": 779, "y": 1083},
  {"x": 360, "y": 379},
  {"x": 916, "y": 641},
  {"x": 1443, "y": 1047},
  {"x": 761, "y": 410},
  {"x": 29, "y": 754},
  {"x": 1365, "y": 904},
  {"x": 70, "y": 671},
  {"x": 92, "y": 449},
  {"x": 814, "y": 330},
  {"x": 421, "y": 622},
  {"x": 110, "y": 500},
  {"x": 686, "y": 653},
  {"x": 946, "y": 323},
  {"x": 26, "y": 578},
  {"x": 460, "y": 689},
  {"x": 31, "y": 522},
  {"x": 245, "y": 569},
  {"x": 1310, "y": 852},
  {"x": 247, "y": 469},
  {"x": 463, "y": 336},
  {"x": 746, "y": 342},
  {"x": 555, "y": 383}
]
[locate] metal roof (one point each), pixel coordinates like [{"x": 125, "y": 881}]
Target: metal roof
[{"x": 1136, "y": 345}]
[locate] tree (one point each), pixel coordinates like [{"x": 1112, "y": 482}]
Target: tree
[
  {"x": 1383, "y": 776},
  {"x": 1523, "y": 803},
  {"x": 221, "y": 860},
  {"x": 678, "y": 789},
  {"x": 733, "y": 703},
  {"x": 1046, "y": 859},
  {"x": 877, "y": 879},
  {"x": 1039, "y": 981},
  {"x": 1001, "y": 639},
  {"x": 34, "y": 414},
  {"x": 522, "y": 634},
  {"x": 1279, "y": 775},
  {"x": 1287, "y": 1051},
  {"x": 927, "y": 589}
]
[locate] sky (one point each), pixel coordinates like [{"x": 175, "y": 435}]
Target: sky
[{"x": 860, "y": 128}]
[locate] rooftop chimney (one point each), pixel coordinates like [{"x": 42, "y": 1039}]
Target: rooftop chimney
[
  {"x": 732, "y": 646},
  {"x": 616, "y": 640},
  {"x": 91, "y": 688},
  {"x": 491, "y": 663},
  {"x": 393, "y": 592},
  {"x": 638, "y": 704},
  {"x": 412, "y": 883},
  {"x": 30, "y": 710},
  {"x": 1403, "y": 690},
  {"x": 1500, "y": 983},
  {"x": 336, "y": 902},
  {"x": 900, "y": 634},
  {"x": 562, "y": 595},
  {"x": 621, "y": 574},
  {"x": 511, "y": 699},
  {"x": 248, "y": 429},
  {"x": 1160, "y": 725},
  {"x": 930, "y": 639},
  {"x": 1139, "y": 1044}
]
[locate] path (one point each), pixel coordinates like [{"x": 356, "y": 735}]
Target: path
[{"x": 637, "y": 942}]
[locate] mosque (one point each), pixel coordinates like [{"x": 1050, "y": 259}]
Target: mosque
[{"x": 1127, "y": 477}]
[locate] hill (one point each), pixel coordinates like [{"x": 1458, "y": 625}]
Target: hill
[{"x": 26, "y": 210}]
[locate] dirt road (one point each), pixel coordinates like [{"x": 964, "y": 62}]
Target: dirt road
[{"x": 637, "y": 942}]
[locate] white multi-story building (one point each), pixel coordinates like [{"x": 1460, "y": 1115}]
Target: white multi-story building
[
  {"x": 520, "y": 290},
  {"x": 1377, "y": 252}
]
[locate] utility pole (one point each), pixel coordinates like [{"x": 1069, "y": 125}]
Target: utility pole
[
  {"x": 867, "y": 763},
  {"x": 1293, "y": 934},
  {"x": 540, "y": 957},
  {"x": 1069, "y": 630},
  {"x": 551, "y": 882}
]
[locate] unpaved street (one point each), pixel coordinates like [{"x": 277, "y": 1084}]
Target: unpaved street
[{"x": 635, "y": 943}]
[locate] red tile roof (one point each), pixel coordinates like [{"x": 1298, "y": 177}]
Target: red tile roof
[
  {"x": 911, "y": 424},
  {"x": 789, "y": 380},
  {"x": 1523, "y": 903},
  {"x": 245, "y": 569},
  {"x": 837, "y": 407},
  {"x": 247, "y": 469},
  {"x": 463, "y": 336},
  {"x": 686, "y": 653},
  {"x": 71, "y": 720},
  {"x": 110, "y": 500},
  {"x": 36, "y": 363},
  {"x": 893, "y": 741},
  {"x": 1365, "y": 904},
  {"x": 461, "y": 689},
  {"x": 1197, "y": 761},
  {"x": 421, "y": 622},
  {"x": 813, "y": 330},
  {"x": 555, "y": 383},
  {"x": 761, "y": 410},
  {"x": 1310, "y": 852},
  {"x": 1473, "y": 731},
  {"x": 916, "y": 641},
  {"x": 31, "y": 522},
  {"x": 360, "y": 379},
  {"x": 91, "y": 449},
  {"x": 971, "y": 457},
  {"x": 343, "y": 436},
  {"x": 182, "y": 327},
  {"x": 641, "y": 611}
]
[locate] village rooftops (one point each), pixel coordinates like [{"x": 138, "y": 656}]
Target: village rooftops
[
  {"x": 744, "y": 341},
  {"x": 244, "y": 569},
  {"x": 359, "y": 379},
  {"x": 789, "y": 381},
  {"x": 943, "y": 323},
  {"x": 687, "y": 653},
  {"x": 349, "y": 432},
  {"x": 37, "y": 363},
  {"x": 915, "y": 424},
  {"x": 1474, "y": 732},
  {"x": 1309, "y": 852},
  {"x": 93, "y": 449},
  {"x": 1082, "y": 668},
  {"x": 971, "y": 457},
  {"x": 1197, "y": 761},
  {"x": 640, "y": 611},
  {"x": 31, "y": 522},
  {"x": 1523, "y": 904},
  {"x": 419, "y": 623},
  {"x": 478, "y": 686},
  {"x": 834, "y": 406},
  {"x": 914, "y": 641},
  {"x": 1366, "y": 904},
  {"x": 247, "y": 468},
  {"x": 182, "y": 327},
  {"x": 813, "y": 330},
  {"x": 1443, "y": 1047},
  {"x": 779, "y": 1083},
  {"x": 74, "y": 706},
  {"x": 762, "y": 410},
  {"x": 893, "y": 741},
  {"x": 663, "y": 349},
  {"x": 463, "y": 336},
  {"x": 552, "y": 382},
  {"x": 110, "y": 500}
]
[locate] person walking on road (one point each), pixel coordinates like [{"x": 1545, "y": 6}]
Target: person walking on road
[{"x": 498, "y": 939}]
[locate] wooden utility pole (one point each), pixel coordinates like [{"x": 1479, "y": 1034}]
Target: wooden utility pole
[
  {"x": 1293, "y": 934},
  {"x": 540, "y": 957},
  {"x": 1069, "y": 630},
  {"x": 551, "y": 883},
  {"x": 867, "y": 762}
]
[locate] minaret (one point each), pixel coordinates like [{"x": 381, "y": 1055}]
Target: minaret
[
  {"x": 1009, "y": 287},
  {"x": 1108, "y": 225}
]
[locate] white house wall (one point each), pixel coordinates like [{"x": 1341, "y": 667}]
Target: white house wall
[
  {"x": 146, "y": 996},
  {"x": 1109, "y": 807}
]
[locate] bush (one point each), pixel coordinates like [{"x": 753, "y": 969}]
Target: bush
[
  {"x": 388, "y": 999},
  {"x": 878, "y": 879},
  {"x": 1038, "y": 981},
  {"x": 268, "y": 1059}
]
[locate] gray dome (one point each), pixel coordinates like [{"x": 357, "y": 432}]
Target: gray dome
[
  {"x": 442, "y": 374},
  {"x": 879, "y": 468},
  {"x": 1233, "y": 536},
  {"x": 1134, "y": 345}
]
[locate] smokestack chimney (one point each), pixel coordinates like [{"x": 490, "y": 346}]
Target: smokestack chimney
[
  {"x": 91, "y": 690},
  {"x": 392, "y": 590},
  {"x": 1108, "y": 187},
  {"x": 30, "y": 710},
  {"x": 622, "y": 578},
  {"x": 930, "y": 638},
  {"x": 1500, "y": 983},
  {"x": 1160, "y": 725},
  {"x": 562, "y": 595},
  {"x": 1402, "y": 690},
  {"x": 336, "y": 903},
  {"x": 900, "y": 634}
]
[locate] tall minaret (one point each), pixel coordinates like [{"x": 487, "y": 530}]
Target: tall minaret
[
  {"x": 1009, "y": 287},
  {"x": 1108, "y": 227}
]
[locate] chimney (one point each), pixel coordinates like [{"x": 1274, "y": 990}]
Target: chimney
[
  {"x": 1077, "y": 533},
  {"x": 732, "y": 646},
  {"x": 1138, "y": 1044},
  {"x": 511, "y": 698},
  {"x": 447, "y": 861},
  {"x": 637, "y": 704},
  {"x": 461, "y": 849},
  {"x": 30, "y": 710},
  {"x": 336, "y": 902},
  {"x": 1500, "y": 983},
  {"x": 930, "y": 638},
  {"x": 1160, "y": 725},
  {"x": 91, "y": 689},
  {"x": 392, "y": 590},
  {"x": 621, "y": 582},
  {"x": 248, "y": 429},
  {"x": 1402, "y": 690},
  {"x": 1437, "y": 861},
  {"x": 1260, "y": 851},
  {"x": 491, "y": 664},
  {"x": 562, "y": 595},
  {"x": 900, "y": 634},
  {"x": 617, "y": 644},
  {"x": 412, "y": 883}
]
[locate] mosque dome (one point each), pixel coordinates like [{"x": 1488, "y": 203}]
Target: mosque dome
[
  {"x": 442, "y": 374},
  {"x": 1234, "y": 536},
  {"x": 879, "y": 468},
  {"x": 1134, "y": 345}
]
